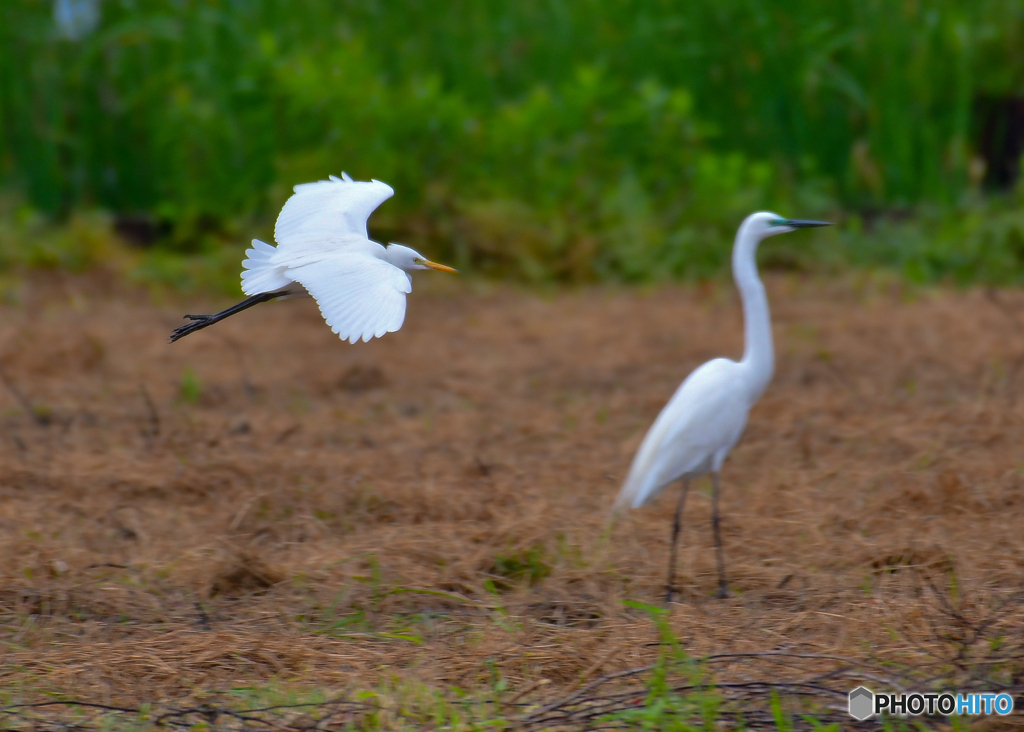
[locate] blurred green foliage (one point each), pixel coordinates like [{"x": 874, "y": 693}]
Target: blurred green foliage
[{"x": 574, "y": 140}]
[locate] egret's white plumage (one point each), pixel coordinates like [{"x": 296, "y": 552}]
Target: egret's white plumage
[
  {"x": 692, "y": 435},
  {"x": 339, "y": 205},
  {"x": 323, "y": 249},
  {"x": 705, "y": 418},
  {"x": 359, "y": 296}
]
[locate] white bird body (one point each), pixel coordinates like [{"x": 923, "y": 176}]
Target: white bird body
[
  {"x": 323, "y": 250},
  {"x": 706, "y": 416},
  {"x": 698, "y": 427}
]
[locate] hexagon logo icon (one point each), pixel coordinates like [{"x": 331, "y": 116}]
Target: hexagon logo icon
[{"x": 862, "y": 703}]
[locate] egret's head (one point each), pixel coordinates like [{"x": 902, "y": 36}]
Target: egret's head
[
  {"x": 410, "y": 260},
  {"x": 765, "y": 224}
]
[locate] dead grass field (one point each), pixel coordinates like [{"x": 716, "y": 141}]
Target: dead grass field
[{"x": 260, "y": 503}]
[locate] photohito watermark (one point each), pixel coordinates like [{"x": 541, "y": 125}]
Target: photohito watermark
[{"x": 865, "y": 703}]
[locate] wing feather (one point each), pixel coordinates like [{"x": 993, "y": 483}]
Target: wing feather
[
  {"x": 327, "y": 208},
  {"x": 705, "y": 416},
  {"x": 360, "y": 296}
]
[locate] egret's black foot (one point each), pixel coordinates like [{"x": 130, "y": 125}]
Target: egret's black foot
[
  {"x": 201, "y": 321},
  {"x": 197, "y": 322},
  {"x": 723, "y": 592},
  {"x": 669, "y": 594}
]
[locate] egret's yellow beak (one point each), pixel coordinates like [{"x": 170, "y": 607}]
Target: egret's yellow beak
[{"x": 438, "y": 267}]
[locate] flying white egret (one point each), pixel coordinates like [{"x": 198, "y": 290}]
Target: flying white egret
[
  {"x": 323, "y": 250},
  {"x": 706, "y": 416}
]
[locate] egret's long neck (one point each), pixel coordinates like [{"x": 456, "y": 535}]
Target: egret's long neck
[{"x": 759, "y": 351}]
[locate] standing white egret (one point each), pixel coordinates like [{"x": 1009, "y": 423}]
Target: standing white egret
[
  {"x": 706, "y": 416},
  {"x": 323, "y": 250}
]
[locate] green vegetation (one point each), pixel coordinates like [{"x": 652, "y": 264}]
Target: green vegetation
[
  {"x": 616, "y": 139},
  {"x": 191, "y": 388},
  {"x": 528, "y": 565}
]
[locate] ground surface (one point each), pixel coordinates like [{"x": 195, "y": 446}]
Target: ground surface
[{"x": 262, "y": 502}]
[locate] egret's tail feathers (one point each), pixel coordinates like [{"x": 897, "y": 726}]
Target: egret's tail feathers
[
  {"x": 627, "y": 496},
  {"x": 626, "y": 499},
  {"x": 259, "y": 274},
  {"x": 622, "y": 502},
  {"x": 640, "y": 488}
]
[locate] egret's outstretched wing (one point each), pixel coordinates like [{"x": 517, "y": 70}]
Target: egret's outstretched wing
[
  {"x": 360, "y": 296},
  {"x": 328, "y": 208}
]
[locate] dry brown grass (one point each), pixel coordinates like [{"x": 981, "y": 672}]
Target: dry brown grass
[{"x": 320, "y": 501}]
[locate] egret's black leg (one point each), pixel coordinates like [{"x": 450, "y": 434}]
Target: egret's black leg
[
  {"x": 676, "y": 525},
  {"x": 723, "y": 590},
  {"x": 202, "y": 321}
]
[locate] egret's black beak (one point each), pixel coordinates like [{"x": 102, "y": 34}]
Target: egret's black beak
[{"x": 801, "y": 224}]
